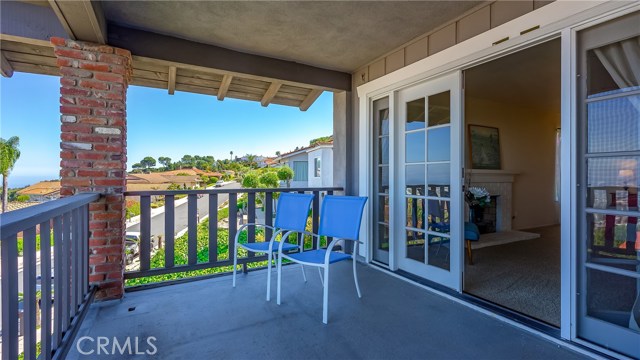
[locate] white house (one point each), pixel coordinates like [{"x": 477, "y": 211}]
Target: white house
[{"x": 312, "y": 166}]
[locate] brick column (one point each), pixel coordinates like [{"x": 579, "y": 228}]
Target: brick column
[{"x": 93, "y": 93}]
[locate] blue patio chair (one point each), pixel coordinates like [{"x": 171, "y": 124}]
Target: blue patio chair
[
  {"x": 291, "y": 215},
  {"x": 340, "y": 218},
  {"x": 471, "y": 233}
]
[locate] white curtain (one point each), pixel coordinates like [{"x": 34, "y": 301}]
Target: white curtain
[{"x": 622, "y": 61}]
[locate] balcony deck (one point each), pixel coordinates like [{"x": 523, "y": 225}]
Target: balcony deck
[{"x": 209, "y": 319}]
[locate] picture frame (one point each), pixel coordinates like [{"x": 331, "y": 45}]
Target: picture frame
[{"x": 484, "y": 147}]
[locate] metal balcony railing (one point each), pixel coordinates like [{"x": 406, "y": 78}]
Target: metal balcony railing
[{"x": 64, "y": 293}]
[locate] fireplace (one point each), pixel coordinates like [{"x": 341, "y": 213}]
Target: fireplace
[
  {"x": 499, "y": 183},
  {"x": 486, "y": 218}
]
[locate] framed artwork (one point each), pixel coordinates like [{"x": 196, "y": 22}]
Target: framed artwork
[{"x": 484, "y": 143}]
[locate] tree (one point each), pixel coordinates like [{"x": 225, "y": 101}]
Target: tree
[
  {"x": 231, "y": 155},
  {"x": 278, "y": 153},
  {"x": 203, "y": 165},
  {"x": 148, "y": 162},
  {"x": 323, "y": 139},
  {"x": 186, "y": 161},
  {"x": 9, "y": 154},
  {"x": 269, "y": 180},
  {"x": 285, "y": 173},
  {"x": 22, "y": 198},
  {"x": 251, "y": 160},
  {"x": 165, "y": 161},
  {"x": 251, "y": 180}
]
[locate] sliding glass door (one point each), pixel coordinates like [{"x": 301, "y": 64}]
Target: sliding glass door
[
  {"x": 381, "y": 183},
  {"x": 429, "y": 176},
  {"x": 609, "y": 234}
]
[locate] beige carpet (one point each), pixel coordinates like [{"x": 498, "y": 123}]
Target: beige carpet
[
  {"x": 523, "y": 276},
  {"x": 503, "y": 237}
]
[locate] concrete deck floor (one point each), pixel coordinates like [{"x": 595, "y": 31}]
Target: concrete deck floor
[{"x": 209, "y": 319}]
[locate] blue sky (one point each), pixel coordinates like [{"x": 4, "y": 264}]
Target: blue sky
[{"x": 158, "y": 125}]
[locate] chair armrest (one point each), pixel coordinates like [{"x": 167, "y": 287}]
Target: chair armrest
[
  {"x": 244, "y": 226},
  {"x": 285, "y": 235}
]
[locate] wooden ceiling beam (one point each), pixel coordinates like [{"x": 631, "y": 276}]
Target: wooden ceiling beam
[
  {"x": 193, "y": 54},
  {"x": 62, "y": 19},
  {"x": 82, "y": 20},
  {"x": 224, "y": 86},
  {"x": 6, "y": 68},
  {"x": 270, "y": 93},
  {"x": 172, "y": 80},
  {"x": 310, "y": 99}
]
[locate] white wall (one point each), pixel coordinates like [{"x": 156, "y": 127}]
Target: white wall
[
  {"x": 326, "y": 167},
  {"x": 527, "y": 141}
]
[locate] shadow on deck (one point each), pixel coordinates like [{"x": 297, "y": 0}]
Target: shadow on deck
[{"x": 209, "y": 319}]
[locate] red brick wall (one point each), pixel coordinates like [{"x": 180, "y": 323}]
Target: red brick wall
[{"x": 93, "y": 93}]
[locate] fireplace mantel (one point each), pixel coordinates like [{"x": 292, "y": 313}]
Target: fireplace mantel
[
  {"x": 490, "y": 176},
  {"x": 499, "y": 183}
]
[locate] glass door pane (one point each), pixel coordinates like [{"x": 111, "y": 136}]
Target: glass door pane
[
  {"x": 381, "y": 143},
  {"x": 429, "y": 143},
  {"x": 609, "y": 233}
]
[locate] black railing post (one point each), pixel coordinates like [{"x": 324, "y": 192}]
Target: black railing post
[
  {"x": 251, "y": 230},
  {"x": 268, "y": 215},
  {"x": 29, "y": 292},
  {"x": 233, "y": 222},
  {"x": 315, "y": 216},
  {"x": 9, "y": 250},
  {"x": 192, "y": 232},
  {"x": 169, "y": 231},
  {"x": 213, "y": 228},
  {"x": 66, "y": 270},
  {"x": 45, "y": 288},
  {"x": 145, "y": 232}
]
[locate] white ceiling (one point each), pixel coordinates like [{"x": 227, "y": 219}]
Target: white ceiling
[{"x": 528, "y": 78}]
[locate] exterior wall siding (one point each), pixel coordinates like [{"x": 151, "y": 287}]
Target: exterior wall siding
[{"x": 469, "y": 25}]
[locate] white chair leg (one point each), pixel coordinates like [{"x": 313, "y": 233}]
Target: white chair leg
[
  {"x": 279, "y": 279},
  {"x": 235, "y": 263},
  {"x": 320, "y": 273},
  {"x": 304, "y": 275},
  {"x": 325, "y": 295},
  {"x": 269, "y": 257},
  {"x": 355, "y": 276}
]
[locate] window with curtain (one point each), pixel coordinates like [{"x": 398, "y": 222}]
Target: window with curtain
[
  {"x": 316, "y": 167},
  {"x": 300, "y": 171}
]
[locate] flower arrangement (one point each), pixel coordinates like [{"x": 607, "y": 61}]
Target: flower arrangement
[{"x": 477, "y": 196}]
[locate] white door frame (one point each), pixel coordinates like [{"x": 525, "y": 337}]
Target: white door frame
[
  {"x": 558, "y": 19},
  {"x": 452, "y": 278}
]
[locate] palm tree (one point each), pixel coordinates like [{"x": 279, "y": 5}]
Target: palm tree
[{"x": 9, "y": 154}]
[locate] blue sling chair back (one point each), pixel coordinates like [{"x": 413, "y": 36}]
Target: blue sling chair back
[
  {"x": 292, "y": 212},
  {"x": 340, "y": 219}
]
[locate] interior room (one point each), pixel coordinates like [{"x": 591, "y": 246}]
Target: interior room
[{"x": 512, "y": 126}]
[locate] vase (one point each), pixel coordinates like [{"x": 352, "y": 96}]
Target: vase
[{"x": 476, "y": 214}]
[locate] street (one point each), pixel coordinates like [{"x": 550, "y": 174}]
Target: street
[{"x": 181, "y": 213}]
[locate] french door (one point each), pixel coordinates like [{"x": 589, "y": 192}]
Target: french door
[
  {"x": 429, "y": 174},
  {"x": 608, "y": 295}
]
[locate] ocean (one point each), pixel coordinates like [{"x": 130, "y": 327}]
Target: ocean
[{"x": 18, "y": 181}]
